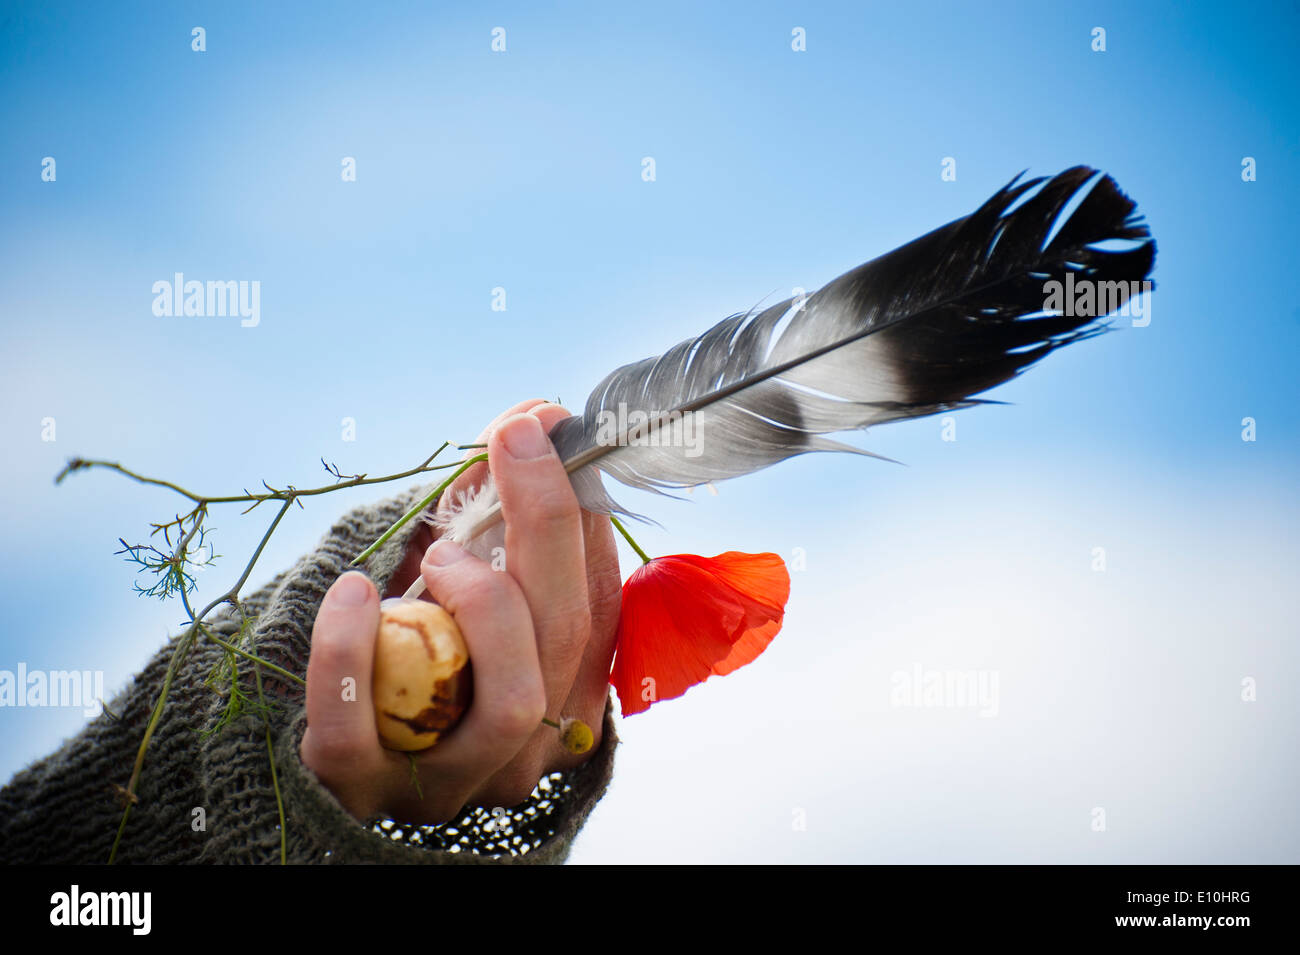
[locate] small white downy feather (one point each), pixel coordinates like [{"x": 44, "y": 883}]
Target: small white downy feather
[{"x": 466, "y": 509}]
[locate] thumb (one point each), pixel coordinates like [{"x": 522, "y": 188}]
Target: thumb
[{"x": 340, "y": 713}]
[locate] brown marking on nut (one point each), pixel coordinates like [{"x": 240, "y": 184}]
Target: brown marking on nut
[
  {"x": 422, "y": 629},
  {"x": 435, "y": 668}
]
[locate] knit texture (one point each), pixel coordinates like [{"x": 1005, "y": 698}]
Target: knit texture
[{"x": 62, "y": 808}]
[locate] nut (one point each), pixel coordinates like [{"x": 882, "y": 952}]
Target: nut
[{"x": 421, "y": 684}]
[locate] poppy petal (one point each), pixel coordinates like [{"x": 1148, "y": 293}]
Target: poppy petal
[
  {"x": 685, "y": 618},
  {"x": 762, "y": 583}
]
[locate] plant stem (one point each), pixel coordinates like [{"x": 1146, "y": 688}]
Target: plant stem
[
  {"x": 196, "y": 626},
  {"x": 275, "y": 779},
  {"x": 409, "y": 515},
  {"x": 415, "y": 777},
  {"x": 255, "y": 658},
  {"x": 181, "y": 648},
  {"x": 173, "y": 665},
  {"x": 233, "y": 593},
  {"x": 273, "y": 495},
  {"x": 628, "y": 537}
]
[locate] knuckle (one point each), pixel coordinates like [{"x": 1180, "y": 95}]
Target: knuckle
[
  {"x": 478, "y": 589},
  {"x": 518, "y": 714},
  {"x": 554, "y": 505},
  {"x": 328, "y": 750},
  {"x": 605, "y": 587},
  {"x": 566, "y": 632}
]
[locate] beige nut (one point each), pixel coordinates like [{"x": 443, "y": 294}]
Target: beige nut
[{"x": 422, "y": 683}]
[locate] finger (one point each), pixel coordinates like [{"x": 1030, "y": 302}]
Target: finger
[
  {"x": 340, "y": 713},
  {"x": 423, "y": 535},
  {"x": 605, "y": 591},
  {"x": 547, "y": 413},
  {"x": 544, "y": 547},
  {"x": 509, "y": 698},
  {"x": 475, "y": 475},
  {"x": 590, "y": 689}
]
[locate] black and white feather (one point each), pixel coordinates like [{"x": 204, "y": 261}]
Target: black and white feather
[{"x": 917, "y": 331}]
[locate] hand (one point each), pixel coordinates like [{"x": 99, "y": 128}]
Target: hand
[{"x": 540, "y": 636}]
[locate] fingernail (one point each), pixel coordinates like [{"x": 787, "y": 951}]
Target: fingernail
[
  {"x": 443, "y": 553},
  {"x": 523, "y": 438},
  {"x": 351, "y": 590}
]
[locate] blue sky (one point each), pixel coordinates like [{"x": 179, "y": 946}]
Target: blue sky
[{"x": 774, "y": 169}]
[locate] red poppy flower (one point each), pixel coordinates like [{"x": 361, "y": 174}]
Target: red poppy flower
[{"x": 686, "y": 618}]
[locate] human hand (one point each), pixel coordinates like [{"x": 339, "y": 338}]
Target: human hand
[{"x": 540, "y": 634}]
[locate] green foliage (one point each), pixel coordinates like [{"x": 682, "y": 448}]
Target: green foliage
[
  {"x": 171, "y": 569},
  {"x": 169, "y": 573},
  {"x": 224, "y": 677}
]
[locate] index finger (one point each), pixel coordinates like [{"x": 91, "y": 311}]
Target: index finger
[
  {"x": 474, "y": 476},
  {"x": 545, "y": 545}
]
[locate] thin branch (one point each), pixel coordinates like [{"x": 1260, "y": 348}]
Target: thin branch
[
  {"x": 181, "y": 648},
  {"x": 256, "y": 659},
  {"x": 409, "y": 515},
  {"x": 275, "y": 778},
  {"x": 80, "y": 464},
  {"x": 196, "y": 622}
]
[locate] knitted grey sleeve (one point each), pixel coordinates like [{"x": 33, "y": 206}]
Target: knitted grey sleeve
[{"x": 209, "y": 797}]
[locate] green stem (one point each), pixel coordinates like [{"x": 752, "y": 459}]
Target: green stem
[
  {"x": 409, "y": 515},
  {"x": 273, "y": 494},
  {"x": 182, "y": 647},
  {"x": 275, "y": 779},
  {"x": 415, "y": 777},
  {"x": 628, "y": 537},
  {"x": 288, "y": 496},
  {"x": 255, "y": 658}
]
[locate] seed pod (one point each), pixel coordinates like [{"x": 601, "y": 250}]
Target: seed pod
[
  {"x": 575, "y": 735},
  {"x": 421, "y": 684}
]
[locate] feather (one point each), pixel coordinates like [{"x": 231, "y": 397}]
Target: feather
[{"x": 917, "y": 331}]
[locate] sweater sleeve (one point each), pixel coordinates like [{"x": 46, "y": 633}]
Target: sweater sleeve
[{"x": 208, "y": 795}]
